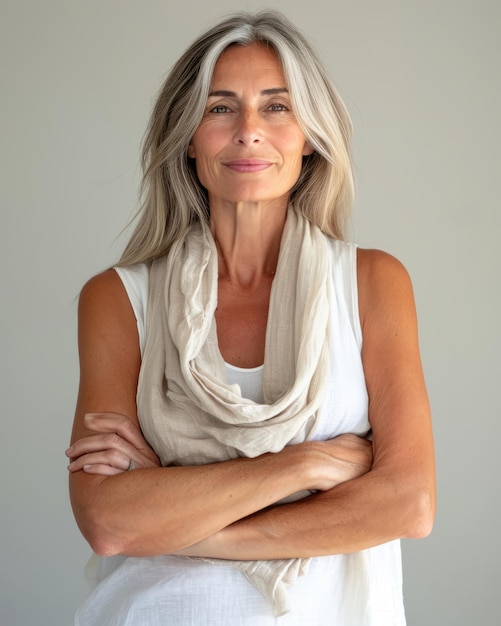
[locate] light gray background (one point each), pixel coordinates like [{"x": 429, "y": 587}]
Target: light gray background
[{"x": 421, "y": 79}]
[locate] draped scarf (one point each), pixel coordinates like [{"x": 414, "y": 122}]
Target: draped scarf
[{"x": 188, "y": 412}]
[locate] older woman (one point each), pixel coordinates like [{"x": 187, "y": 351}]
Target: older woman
[{"x": 272, "y": 369}]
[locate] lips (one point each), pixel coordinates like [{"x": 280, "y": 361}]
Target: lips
[{"x": 248, "y": 165}]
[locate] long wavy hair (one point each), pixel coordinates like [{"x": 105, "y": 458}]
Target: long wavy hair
[{"x": 171, "y": 195}]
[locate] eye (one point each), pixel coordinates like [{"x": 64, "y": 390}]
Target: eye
[
  {"x": 219, "y": 108},
  {"x": 277, "y": 106}
]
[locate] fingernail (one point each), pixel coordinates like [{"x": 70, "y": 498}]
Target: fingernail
[{"x": 69, "y": 451}]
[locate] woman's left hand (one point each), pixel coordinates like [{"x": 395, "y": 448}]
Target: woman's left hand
[{"x": 117, "y": 446}]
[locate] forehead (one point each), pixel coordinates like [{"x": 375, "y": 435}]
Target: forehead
[{"x": 255, "y": 60}]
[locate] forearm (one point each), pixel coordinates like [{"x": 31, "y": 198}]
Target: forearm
[
  {"x": 358, "y": 514},
  {"x": 160, "y": 510}
]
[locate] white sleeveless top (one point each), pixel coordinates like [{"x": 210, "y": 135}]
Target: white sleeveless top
[{"x": 161, "y": 590}]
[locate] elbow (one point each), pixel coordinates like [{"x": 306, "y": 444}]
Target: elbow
[
  {"x": 104, "y": 546},
  {"x": 421, "y": 514},
  {"x": 100, "y": 524},
  {"x": 101, "y": 535},
  {"x": 109, "y": 536},
  {"x": 102, "y": 543}
]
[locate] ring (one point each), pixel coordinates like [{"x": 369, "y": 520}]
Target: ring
[{"x": 132, "y": 465}]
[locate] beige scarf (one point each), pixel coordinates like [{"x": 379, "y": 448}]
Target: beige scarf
[{"x": 187, "y": 411}]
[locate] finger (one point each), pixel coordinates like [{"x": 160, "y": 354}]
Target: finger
[
  {"x": 108, "y": 422},
  {"x": 351, "y": 441},
  {"x": 85, "y": 445},
  {"x": 102, "y": 470},
  {"x": 110, "y": 458},
  {"x": 95, "y": 443}
]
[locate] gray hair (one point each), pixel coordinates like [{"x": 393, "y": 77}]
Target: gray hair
[{"x": 172, "y": 196}]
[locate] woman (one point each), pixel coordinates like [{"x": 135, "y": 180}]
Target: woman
[{"x": 257, "y": 353}]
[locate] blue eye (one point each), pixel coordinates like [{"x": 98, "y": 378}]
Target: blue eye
[
  {"x": 220, "y": 108},
  {"x": 278, "y": 107}
]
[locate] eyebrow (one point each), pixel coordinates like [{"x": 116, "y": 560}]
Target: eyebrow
[{"x": 231, "y": 94}]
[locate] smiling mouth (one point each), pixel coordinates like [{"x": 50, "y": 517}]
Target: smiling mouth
[{"x": 248, "y": 165}]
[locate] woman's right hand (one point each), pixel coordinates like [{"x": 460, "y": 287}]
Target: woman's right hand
[{"x": 337, "y": 460}]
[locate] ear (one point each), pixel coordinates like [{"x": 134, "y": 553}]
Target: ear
[
  {"x": 191, "y": 151},
  {"x": 307, "y": 150}
]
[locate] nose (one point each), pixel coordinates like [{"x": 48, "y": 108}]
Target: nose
[{"x": 249, "y": 128}]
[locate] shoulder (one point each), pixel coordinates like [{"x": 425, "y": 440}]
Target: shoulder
[
  {"x": 378, "y": 270},
  {"x": 384, "y": 285},
  {"x": 103, "y": 289},
  {"x": 104, "y": 304},
  {"x": 374, "y": 264}
]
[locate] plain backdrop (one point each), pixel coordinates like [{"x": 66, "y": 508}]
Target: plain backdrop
[{"x": 421, "y": 79}]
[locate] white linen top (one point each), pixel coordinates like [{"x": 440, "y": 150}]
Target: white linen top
[{"x": 359, "y": 589}]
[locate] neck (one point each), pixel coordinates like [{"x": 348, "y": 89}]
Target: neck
[{"x": 248, "y": 241}]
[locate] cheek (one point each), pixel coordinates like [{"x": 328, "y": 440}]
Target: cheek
[
  {"x": 201, "y": 172},
  {"x": 206, "y": 142},
  {"x": 296, "y": 153},
  {"x": 295, "y": 145},
  {"x": 206, "y": 170}
]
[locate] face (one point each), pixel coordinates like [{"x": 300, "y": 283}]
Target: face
[{"x": 248, "y": 146}]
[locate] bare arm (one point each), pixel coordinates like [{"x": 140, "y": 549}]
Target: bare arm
[
  {"x": 158, "y": 510},
  {"x": 397, "y": 497}
]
